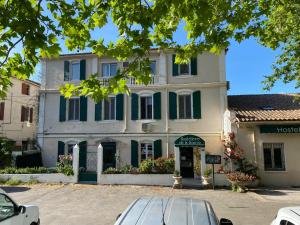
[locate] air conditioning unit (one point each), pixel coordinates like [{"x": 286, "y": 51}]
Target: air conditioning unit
[{"x": 147, "y": 127}]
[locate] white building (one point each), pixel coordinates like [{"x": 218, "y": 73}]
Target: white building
[{"x": 152, "y": 122}]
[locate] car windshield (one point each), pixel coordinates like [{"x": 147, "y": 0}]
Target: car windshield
[{"x": 7, "y": 207}]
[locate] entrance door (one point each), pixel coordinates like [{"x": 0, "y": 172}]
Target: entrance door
[
  {"x": 186, "y": 162},
  {"x": 109, "y": 154}
]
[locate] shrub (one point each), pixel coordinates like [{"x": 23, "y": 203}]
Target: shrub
[
  {"x": 146, "y": 166},
  {"x": 208, "y": 172},
  {"x": 6, "y": 147},
  {"x": 112, "y": 170},
  {"x": 240, "y": 177},
  {"x": 65, "y": 165},
  {"x": 13, "y": 182},
  {"x": 34, "y": 170},
  {"x": 164, "y": 165}
]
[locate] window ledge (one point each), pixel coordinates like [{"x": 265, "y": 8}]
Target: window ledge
[
  {"x": 147, "y": 120},
  {"x": 275, "y": 171},
  {"x": 185, "y": 76},
  {"x": 109, "y": 121},
  {"x": 185, "y": 120}
]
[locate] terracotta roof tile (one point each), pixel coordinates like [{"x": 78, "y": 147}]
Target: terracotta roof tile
[{"x": 270, "y": 107}]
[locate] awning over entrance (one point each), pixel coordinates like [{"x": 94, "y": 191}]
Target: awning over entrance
[{"x": 189, "y": 140}]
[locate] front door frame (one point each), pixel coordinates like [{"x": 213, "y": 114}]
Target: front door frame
[{"x": 114, "y": 146}]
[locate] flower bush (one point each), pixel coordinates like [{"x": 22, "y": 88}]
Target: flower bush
[
  {"x": 65, "y": 165},
  {"x": 237, "y": 176},
  {"x": 27, "y": 170}
]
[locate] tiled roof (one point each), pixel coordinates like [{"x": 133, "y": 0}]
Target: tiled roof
[{"x": 269, "y": 107}]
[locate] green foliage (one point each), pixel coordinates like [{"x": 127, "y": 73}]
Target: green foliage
[
  {"x": 208, "y": 172},
  {"x": 6, "y": 147},
  {"x": 13, "y": 182},
  {"x": 36, "y": 28},
  {"x": 176, "y": 173},
  {"x": 28, "y": 170},
  {"x": 164, "y": 165},
  {"x": 65, "y": 165},
  {"x": 112, "y": 170},
  {"x": 146, "y": 166}
]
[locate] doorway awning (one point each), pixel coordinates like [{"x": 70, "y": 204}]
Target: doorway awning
[{"x": 190, "y": 141}]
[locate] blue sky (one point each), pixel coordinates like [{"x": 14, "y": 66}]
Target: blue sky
[{"x": 246, "y": 63}]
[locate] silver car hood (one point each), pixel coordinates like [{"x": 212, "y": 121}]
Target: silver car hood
[{"x": 168, "y": 211}]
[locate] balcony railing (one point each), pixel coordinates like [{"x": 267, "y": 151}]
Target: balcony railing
[{"x": 155, "y": 80}]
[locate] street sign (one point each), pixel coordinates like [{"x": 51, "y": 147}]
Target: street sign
[{"x": 213, "y": 159}]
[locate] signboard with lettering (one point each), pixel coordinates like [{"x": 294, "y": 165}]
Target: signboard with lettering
[
  {"x": 189, "y": 140},
  {"x": 280, "y": 129},
  {"x": 213, "y": 159}
]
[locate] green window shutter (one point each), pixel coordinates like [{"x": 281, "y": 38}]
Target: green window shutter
[
  {"x": 157, "y": 149},
  {"x": 83, "y": 108},
  {"x": 62, "y": 109},
  {"x": 197, "y": 104},
  {"x": 157, "y": 105},
  {"x": 82, "y": 69},
  {"x": 61, "y": 149},
  {"x": 134, "y": 153},
  {"x": 82, "y": 154},
  {"x": 66, "y": 70},
  {"x": 98, "y": 111},
  {"x": 134, "y": 106},
  {"x": 174, "y": 66},
  {"x": 119, "y": 107},
  {"x": 194, "y": 66},
  {"x": 172, "y": 105}
]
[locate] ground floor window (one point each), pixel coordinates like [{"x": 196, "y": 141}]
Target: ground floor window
[
  {"x": 273, "y": 156},
  {"x": 70, "y": 149},
  {"x": 146, "y": 151}
]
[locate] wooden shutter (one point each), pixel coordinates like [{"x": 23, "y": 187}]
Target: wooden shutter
[
  {"x": 25, "y": 89},
  {"x": 31, "y": 115},
  {"x": 157, "y": 149},
  {"x": 66, "y": 70},
  {"x": 134, "y": 153},
  {"x": 174, "y": 66},
  {"x": 98, "y": 111},
  {"x": 82, "y": 69},
  {"x": 83, "y": 108},
  {"x": 172, "y": 105},
  {"x": 134, "y": 106},
  {"x": 23, "y": 109},
  {"x": 62, "y": 109},
  {"x": 119, "y": 107},
  {"x": 82, "y": 154},
  {"x": 2, "y": 106},
  {"x": 61, "y": 149},
  {"x": 157, "y": 105},
  {"x": 197, "y": 104},
  {"x": 194, "y": 66}
]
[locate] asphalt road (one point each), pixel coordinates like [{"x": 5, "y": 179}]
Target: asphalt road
[{"x": 93, "y": 204}]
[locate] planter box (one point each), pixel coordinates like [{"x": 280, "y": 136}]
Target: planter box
[
  {"x": 137, "y": 179},
  {"x": 42, "y": 177},
  {"x": 221, "y": 180}
]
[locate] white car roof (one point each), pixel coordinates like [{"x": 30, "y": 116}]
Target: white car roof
[
  {"x": 290, "y": 212},
  {"x": 2, "y": 191}
]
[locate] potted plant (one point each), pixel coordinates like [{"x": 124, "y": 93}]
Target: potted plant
[
  {"x": 206, "y": 178},
  {"x": 239, "y": 180},
  {"x": 177, "y": 180}
]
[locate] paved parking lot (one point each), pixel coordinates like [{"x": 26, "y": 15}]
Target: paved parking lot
[{"x": 93, "y": 204}]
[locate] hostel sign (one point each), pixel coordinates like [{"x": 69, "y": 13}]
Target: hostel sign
[
  {"x": 190, "y": 141},
  {"x": 280, "y": 129}
]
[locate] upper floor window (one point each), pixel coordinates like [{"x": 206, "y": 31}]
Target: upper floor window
[
  {"x": 153, "y": 67},
  {"x": 26, "y": 114},
  {"x": 125, "y": 65},
  {"x": 146, "y": 107},
  {"x": 74, "y": 109},
  {"x": 273, "y": 156},
  {"x": 146, "y": 151},
  {"x": 184, "y": 69},
  {"x": 185, "y": 106},
  {"x": 75, "y": 70},
  {"x": 25, "y": 89},
  {"x": 2, "y": 106},
  {"x": 109, "y": 69},
  {"x": 109, "y": 106}
]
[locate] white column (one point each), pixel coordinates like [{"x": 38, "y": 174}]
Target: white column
[
  {"x": 177, "y": 158},
  {"x": 76, "y": 162},
  {"x": 99, "y": 162},
  {"x": 203, "y": 163}
]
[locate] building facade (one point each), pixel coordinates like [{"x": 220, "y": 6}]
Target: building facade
[
  {"x": 267, "y": 128},
  {"x": 19, "y": 113},
  {"x": 178, "y": 114}
]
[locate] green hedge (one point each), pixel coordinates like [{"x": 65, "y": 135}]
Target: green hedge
[{"x": 27, "y": 170}]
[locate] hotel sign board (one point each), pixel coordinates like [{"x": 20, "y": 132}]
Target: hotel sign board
[
  {"x": 280, "y": 129},
  {"x": 190, "y": 141}
]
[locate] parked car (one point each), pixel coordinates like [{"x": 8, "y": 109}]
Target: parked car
[
  {"x": 288, "y": 216},
  {"x": 170, "y": 211},
  {"x": 13, "y": 214}
]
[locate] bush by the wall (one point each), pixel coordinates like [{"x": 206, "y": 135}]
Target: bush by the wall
[
  {"x": 6, "y": 147},
  {"x": 28, "y": 170},
  {"x": 29, "y": 160}
]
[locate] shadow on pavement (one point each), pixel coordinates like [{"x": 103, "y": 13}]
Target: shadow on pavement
[
  {"x": 13, "y": 189},
  {"x": 270, "y": 192}
]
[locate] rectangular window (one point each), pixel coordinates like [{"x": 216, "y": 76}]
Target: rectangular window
[
  {"x": 153, "y": 67},
  {"x": 25, "y": 114},
  {"x": 25, "y": 89},
  {"x": 2, "y": 106},
  {"x": 109, "y": 69},
  {"x": 24, "y": 145},
  {"x": 273, "y": 156},
  {"x": 146, "y": 151},
  {"x": 75, "y": 71},
  {"x": 184, "y": 69},
  {"x": 146, "y": 107},
  {"x": 70, "y": 149},
  {"x": 185, "y": 106},
  {"x": 73, "y": 109},
  {"x": 109, "y": 106}
]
